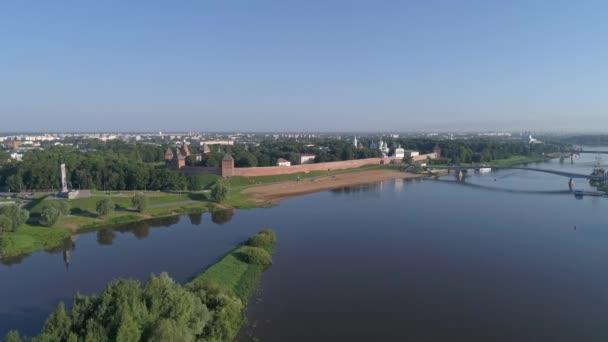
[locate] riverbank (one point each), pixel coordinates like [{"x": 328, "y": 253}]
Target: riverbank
[
  {"x": 210, "y": 307},
  {"x": 244, "y": 193},
  {"x": 264, "y": 194}
]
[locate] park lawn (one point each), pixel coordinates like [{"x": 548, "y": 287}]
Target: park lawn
[{"x": 28, "y": 239}]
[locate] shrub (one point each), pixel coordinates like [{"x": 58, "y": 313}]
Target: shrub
[
  {"x": 219, "y": 192},
  {"x": 255, "y": 255},
  {"x": 53, "y": 211},
  {"x": 5, "y": 224},
  {"x": 140, "y": 202},
  {"x": 49, "y": 216},
  {"x": 16, "y": 216},
  {"x": 265, "y": 239},
  {"x": 104, "y": 207}
]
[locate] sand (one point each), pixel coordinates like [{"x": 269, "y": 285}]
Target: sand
[{"x": 274, "y": 192}]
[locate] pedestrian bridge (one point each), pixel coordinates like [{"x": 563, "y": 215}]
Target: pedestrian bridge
[{"x": 495, "y": 167}]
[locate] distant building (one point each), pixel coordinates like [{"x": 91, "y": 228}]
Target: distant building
[
  {"x": 399, "y": 152},
  {"x": 283, "y": 162},
  {"x": 355, "y": 142},
  {"x": 12, "y": 144},
  {"x": 16, "y": 156},
  {"x": 204, "y": 149},
  {"x": 533, "y": 141},
  {"x": 168, "y": 154},
  {"x": 411, "y": 153},
  {"x": 306, "y": 158},
  {"x": 218, "y": 142},
  {"x": 179, "y": 160},
  {"x": 383, "y": 147},
  {"x": 227, "y": 165}
]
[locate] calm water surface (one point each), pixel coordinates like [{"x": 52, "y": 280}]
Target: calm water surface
[{"x": 507, "y": 256}]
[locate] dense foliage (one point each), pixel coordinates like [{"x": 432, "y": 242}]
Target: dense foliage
[
  {"x": 219, "y": 192},
  {"x": 12, "y": 217},
  {"x": 111, "y": 166},
  {"x": 53, "y": 211},
  {"x": 140, "y": 202},
  {"x": 159, "y": 310},
  {"x": 104, "y": 207}
]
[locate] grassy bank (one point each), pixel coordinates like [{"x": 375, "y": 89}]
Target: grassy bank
[
  {"x": 28, "y": 239},
  {"x": 234, "y": 272},
  {"x": 32, "y": 237},
  {"x": 83, "y": 216},
  {"x": 211, "y": 307}
]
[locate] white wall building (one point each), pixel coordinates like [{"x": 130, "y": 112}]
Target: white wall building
[
  {"x": 399, "y": 152},
  {"x": 283, "y": 162},
  {"x": 307, "y": 158}
]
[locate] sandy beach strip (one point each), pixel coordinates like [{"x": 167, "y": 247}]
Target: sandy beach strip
[{"x": 278, "y": 191}]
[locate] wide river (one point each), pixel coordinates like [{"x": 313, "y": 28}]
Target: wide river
[{"x": 506, "y": 256}]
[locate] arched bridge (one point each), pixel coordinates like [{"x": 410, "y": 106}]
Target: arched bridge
[{"x": 493, "y": 167}]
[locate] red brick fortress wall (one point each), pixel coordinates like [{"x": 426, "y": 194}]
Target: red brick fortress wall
[{"x": 283, "y": 170}]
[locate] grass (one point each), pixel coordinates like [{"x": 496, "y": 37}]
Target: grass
[
  {"x": 28, "y": 239},
  {"x": 517, "y": 160},
  {"x": 233, "y": 273}
]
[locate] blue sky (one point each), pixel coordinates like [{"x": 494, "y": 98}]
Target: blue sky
[{"x": 303, "y": 65}]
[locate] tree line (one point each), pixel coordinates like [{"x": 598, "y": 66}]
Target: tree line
[{"x": 117, "y": 166}]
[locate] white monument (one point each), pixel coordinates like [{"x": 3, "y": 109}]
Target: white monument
[{"x": 62, "y": 182}]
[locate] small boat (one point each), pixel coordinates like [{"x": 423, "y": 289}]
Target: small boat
[{"x": 484, "y": 169}]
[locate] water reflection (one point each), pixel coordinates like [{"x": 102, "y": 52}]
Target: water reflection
[
  {"x": 222, "y": 216},
  {"x": 106, "y": 236},
  {"x": 196, "y": 219}
]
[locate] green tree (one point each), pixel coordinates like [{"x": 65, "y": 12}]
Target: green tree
[
  {"x": 219, "y": 192},
  {"x": 57, "y": 326},
  {"x": 104, "y": 207},
  {"x": 16, "y": 216},
  {"x": 140, "y": 202},
  {"x": 5, "y": 224},
  {"x": 52, "y": 211},
  {"x": 12, "y": 336},
  {"x": 15, "y": 183},
  {"x": 128, "y": 330},
  {"x": 49, "y": 216}
]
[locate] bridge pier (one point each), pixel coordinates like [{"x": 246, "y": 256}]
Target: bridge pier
[
  {"x": 460, "y": 175},
  {"x": 571, "y": 183}
]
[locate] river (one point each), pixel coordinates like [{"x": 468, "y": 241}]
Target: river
[{"x": 507, "y": 256}]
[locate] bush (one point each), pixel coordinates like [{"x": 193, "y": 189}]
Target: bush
[
  {"x": 15, "y": 215},
  {"x": 255, "y": 255},
  {"x": 5, "y": 224},
  {"x": 104, "y": 207},
  {"x": 52, "y": 211},
  {"x": 140, "y": 202},
  {"x": 265, "y": 239},
  {"x": 50, "y": 216},
  {"x": 219, "y": 192}
]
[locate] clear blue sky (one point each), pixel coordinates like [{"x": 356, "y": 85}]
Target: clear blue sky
[{"x": 303, "y": 65}]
